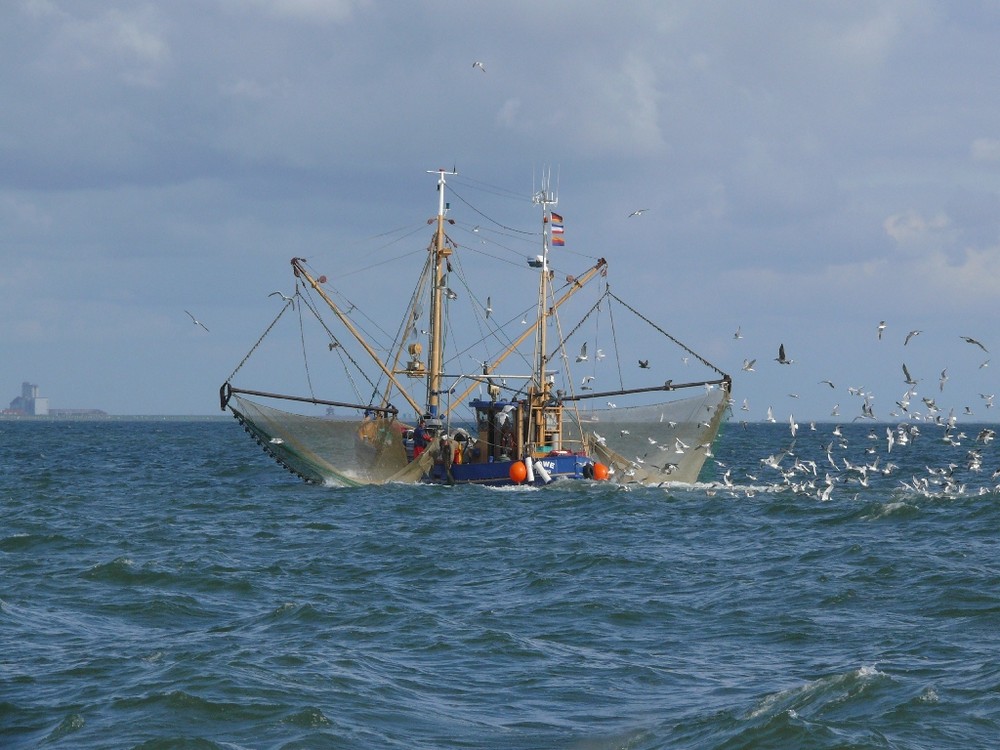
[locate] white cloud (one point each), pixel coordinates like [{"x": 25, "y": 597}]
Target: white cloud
[
  {"x": 131, "y": 43},
  {"x": 986, "y": 149},
  {"x": 311, "y": 10},
  {"x": 910, "y": 227}
]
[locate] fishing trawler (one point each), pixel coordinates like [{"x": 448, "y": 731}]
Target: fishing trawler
[{"x": 425, "y": 408}]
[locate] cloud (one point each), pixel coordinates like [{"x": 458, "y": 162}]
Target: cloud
[
  {"x": 910, "y": 228},
  {"x": 130, "y": 43},
  {"x": 311, "y": 10},
  {"x": 986, "y": 149}
]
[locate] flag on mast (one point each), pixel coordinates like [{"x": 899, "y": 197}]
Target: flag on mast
[{"x": 556, "y": 229}]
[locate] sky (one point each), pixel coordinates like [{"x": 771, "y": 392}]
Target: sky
[{"x": 808, "y": 170}]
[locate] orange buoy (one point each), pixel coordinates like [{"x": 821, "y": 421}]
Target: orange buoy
[
  {"x": 600, "y": 472},
  {"x": 518, "y": 472}
]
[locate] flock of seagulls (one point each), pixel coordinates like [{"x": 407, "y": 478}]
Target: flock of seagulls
[{"x": 843, "y": 466}]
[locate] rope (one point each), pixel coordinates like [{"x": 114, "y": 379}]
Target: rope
[
  {"x": 686, "y": 348},
  {"x": 289, "y": 303}
]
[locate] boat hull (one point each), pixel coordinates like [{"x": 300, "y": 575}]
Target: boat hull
[{"x": 498, "y": 473}]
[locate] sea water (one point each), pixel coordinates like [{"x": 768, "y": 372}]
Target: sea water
[{"x": 164, "y": 584}]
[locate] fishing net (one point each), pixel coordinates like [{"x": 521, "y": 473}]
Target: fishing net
[
  {"x": 326, "y": 450},
  {"x": 662, "y": 442}
]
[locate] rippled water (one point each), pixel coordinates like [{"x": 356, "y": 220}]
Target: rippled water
[{"x": 164, "y": 585}]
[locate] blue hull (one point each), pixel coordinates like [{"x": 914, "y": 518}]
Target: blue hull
[{"x": 497, "y": 474}]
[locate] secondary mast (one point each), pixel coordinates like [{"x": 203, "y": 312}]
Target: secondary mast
[
  {"x": 440, "y": 252},
  {"x": 546, "y": 199}
]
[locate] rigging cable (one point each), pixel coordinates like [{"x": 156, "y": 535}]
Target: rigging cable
[{"x": 289, "y": 303}]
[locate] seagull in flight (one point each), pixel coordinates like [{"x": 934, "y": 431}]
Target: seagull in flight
[
  {"x": 970, "y": 340},
  {"x": 582, "y": 356},
  {"x": 906, "y": 374},
  {"x": 283, "y": 296},
  {"x": 644, "y": 364},
  {"x": 881, "y": 327},
  {"x": 748, "y": 364},
  {"x": 739, "y": 332},
  {"x": 196, "y": 321},
  {"x": 489, "y": 307},
  {"x": 479, "y": 64},
  {"x": 637, "y": 212},
  {"x": 781, "y": 359},
  {"x": 910, "y": 335}
]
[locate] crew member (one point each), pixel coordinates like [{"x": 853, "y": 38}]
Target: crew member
[{"x": 419, "y": 439}]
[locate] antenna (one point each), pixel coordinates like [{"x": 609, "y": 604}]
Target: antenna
[{"x": 545, "y": 197}]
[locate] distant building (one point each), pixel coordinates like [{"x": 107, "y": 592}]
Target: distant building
[{"x": 29, "y": 403}]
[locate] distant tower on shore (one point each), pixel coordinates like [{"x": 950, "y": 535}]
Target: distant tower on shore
[{"x": 29, "y": 402}]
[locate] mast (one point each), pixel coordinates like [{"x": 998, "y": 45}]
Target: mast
[
  {"x": 542, "y": 423},
  {"x": 440, "y": 253},
  {"x": 546, "y": 199}
]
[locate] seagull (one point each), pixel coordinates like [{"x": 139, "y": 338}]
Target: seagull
[
  {"x": 909, "y": 378},
  {"x": 881, "y": 327},
  {"x": 828, "y": 383},
  {"x": 450, "y": 294},
  {"x": 637, "y": 212},
  {"x": 586, "y": 379},
  {"x": 489, "y": 307},
  {"x": 480, "y": 65},
  {"x": 283, "y": 296},
  {"x": 600, "y": 354},
  {"x": 582, "y": 356},
  {"x": 739, "y": 332},
  {"x": 748, "y": 364},
  {"x": 196, "y": 321},
  {"x": 969, "y": 340},
  {"x": 910, "y": 335},
  {"x": 944, "y": 379},
  {"x": 644, "y": 364},
  {"x": 781, "y": 359}
]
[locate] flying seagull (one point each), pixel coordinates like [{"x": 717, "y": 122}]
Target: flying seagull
[
  {"x": 748, "y": 365},
  {"x": 910, "y": 335},
  {"x": 970, "y": 340},
  {"x": 489, "y": 306},
  {"x": 906, "y": 374},
  {"x": 480, "y": 65},
  {"x": 644, "y": 364},
  {"x": 196, "y": 321},
  {"x": 781, "y": 359},
  {"x": 739, "y": 332},
  {"x": 637, "y": 212},
  {"x": 283, "y": 296},
  {"x": 881, "y": 327},
  {"x": 582, "y": 356}
]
